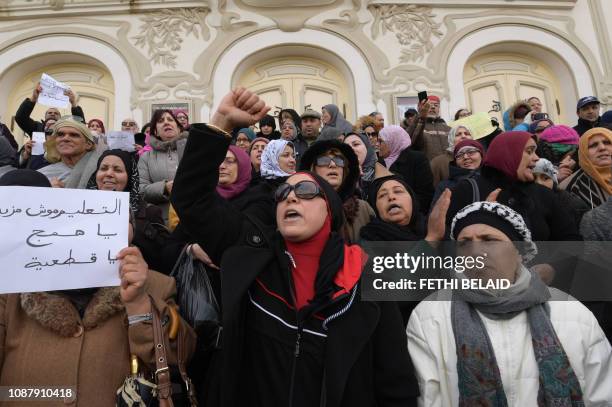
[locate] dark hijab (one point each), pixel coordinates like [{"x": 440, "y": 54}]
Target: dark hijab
[
  {"x": 379, "y": 230},
  {"x": 131, "y": 168}
]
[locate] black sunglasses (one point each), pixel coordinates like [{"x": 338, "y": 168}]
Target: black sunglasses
[
  {"x": 372, "y": 134},
  {"x": 325, "y": 160},
  {"x": 303, "y": 190}
]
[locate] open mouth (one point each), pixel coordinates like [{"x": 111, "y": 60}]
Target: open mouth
[
  {"x": 292, "y": 214},
  {"x": 394, "y": 209},
  {"x": 333, "y": 174}
]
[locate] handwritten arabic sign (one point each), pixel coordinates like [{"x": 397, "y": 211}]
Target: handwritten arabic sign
[
  {"x": 58, "y": 239},
  {"x": 53, "y": 92}
]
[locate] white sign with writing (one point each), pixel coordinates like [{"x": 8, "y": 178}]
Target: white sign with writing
[
  {"x": 38, "y": 147},
  {"x": 53, "y": 92},
  {"x": 58, "y": 239},
  {"x": 121, "y": 140}
]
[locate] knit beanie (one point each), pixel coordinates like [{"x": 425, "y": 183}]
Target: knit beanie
[
  {"x": 500, "y": 217},
  {"x": 560, "y": 134},
  {"x": 543, "y": 166}
]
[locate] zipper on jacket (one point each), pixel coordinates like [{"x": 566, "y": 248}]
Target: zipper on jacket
[{"x": 296, "y": 351}]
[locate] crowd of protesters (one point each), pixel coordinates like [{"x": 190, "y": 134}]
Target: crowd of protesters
[{"x": 276, "y": 211}]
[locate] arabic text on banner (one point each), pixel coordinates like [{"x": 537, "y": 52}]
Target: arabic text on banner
[{"x": 58, "y": 239}]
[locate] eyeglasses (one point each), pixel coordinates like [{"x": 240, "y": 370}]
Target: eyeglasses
[
  {"x": 128, "y": 124},
  {"x": 303, "y": 190},
  {"x": 372, "y": 134},
  {"x": 325, "y": 160},
  {"x": 468, "y": 153}
]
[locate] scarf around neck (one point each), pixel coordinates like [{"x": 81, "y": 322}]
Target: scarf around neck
[
  {"x": 159, "y": 145},
  {"x": 479, "y": 378},
  {"x": 229, "y": 191}
]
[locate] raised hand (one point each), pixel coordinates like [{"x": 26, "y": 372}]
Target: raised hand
[
  {"x": 36, "y": 92},
  {"x": 436, "y": 224},
  {"x": 133, "y": 272},
  {"x": 239, "y": 108}
]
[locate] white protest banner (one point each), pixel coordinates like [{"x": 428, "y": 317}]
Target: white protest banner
[
  {"x": 122, "y": 140},
  {"x": 58, "y": 239},
  {"x": 479, "y": 123},
  {"x": 38, "y": 148},
  {"x": 53, "y": 92}
]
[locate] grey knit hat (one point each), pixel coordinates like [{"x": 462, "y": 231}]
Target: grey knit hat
[{"x": 543, "y": 166}]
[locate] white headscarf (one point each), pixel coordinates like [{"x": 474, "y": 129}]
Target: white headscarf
[
  {"x": 451, "y": 136},
  {"x": 270, "y": 168}
]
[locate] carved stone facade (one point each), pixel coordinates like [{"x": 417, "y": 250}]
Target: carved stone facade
[{"x": 190, "y": 51}]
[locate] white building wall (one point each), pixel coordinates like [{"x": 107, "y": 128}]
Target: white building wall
[{"x": 386, "y": 61}]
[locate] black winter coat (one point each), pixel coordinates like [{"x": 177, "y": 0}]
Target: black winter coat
[
  {"x": 584, "y": 125},
  {"x": 539, "y": 206},
  {"x": 455, "y": 175},
  {"x": 414, "y": 167},
  {"x": 29, "y": 126},
  {"x": 363, "y": 359}
]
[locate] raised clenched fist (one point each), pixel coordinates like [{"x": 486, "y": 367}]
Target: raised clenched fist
[{"x": 239, "y": 108}]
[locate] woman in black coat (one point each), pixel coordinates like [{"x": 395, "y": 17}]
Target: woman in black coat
[
  {"x": 508, "y": 166},
  {"x": 294, "y": 332}
]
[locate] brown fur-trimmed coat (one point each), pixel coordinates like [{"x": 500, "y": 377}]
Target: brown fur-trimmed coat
[{"x": 44, "y": 342}]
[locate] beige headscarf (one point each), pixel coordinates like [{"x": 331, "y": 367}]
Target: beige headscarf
[
  {"x": 601, "y": 175},
  {"x": 51, "y": 154}
]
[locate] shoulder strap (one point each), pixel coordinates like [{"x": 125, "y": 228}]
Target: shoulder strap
[
  {"x": 475, "y": 190},
  {"x": 162, "y": 372}
]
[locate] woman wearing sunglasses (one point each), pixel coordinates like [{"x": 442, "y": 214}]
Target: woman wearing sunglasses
[
  {"x": 294, "y": 330},
  {"x": 338, "y": 164}
]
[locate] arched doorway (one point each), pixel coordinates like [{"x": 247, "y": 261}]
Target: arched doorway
[
  {"x": 495, "y": 81},
  {"x": 568, "y": 65},
  {"x": 298, "y": 82},
  {"x": 90, "y": 80},
  {"x": 274, "y": 44}
]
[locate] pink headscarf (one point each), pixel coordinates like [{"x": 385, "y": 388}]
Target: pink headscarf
[
  {"x": 397, "y": 140},
  {"x": 244, "y": 175}
]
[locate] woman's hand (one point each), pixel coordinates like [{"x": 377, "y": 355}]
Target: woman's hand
[
  {"x": 134, "y": 272},
  {"x": 436, "y": 225},
  {"x": 239, "y": 108},
  {"x": 200, "y": 254},
  {"x": 57, "y": 183}
]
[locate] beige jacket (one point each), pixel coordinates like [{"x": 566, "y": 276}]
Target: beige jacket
[{"x": 44, "y": 342}]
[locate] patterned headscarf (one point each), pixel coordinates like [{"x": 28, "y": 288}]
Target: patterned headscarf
[{"x": 270, "y": 168}]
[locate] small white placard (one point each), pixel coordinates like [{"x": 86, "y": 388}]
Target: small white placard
[
  {"x": 121, "y": 140},
  {"x": 53, "y": 92},
  {"x": 38, "y": 147}
]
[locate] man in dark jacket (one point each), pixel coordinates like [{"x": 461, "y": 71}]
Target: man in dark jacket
[
  {"x": 588, "y": 114},
  {"x": 30, "y": 126},
  {"x": 429, "y": 133}
]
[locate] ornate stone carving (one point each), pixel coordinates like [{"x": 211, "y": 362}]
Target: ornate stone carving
[
  {"x": 413, "y": 25},
  {"x": 162, "y": 32}
]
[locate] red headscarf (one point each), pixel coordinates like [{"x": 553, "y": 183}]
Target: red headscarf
[{"x": 506, "y": 152}]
